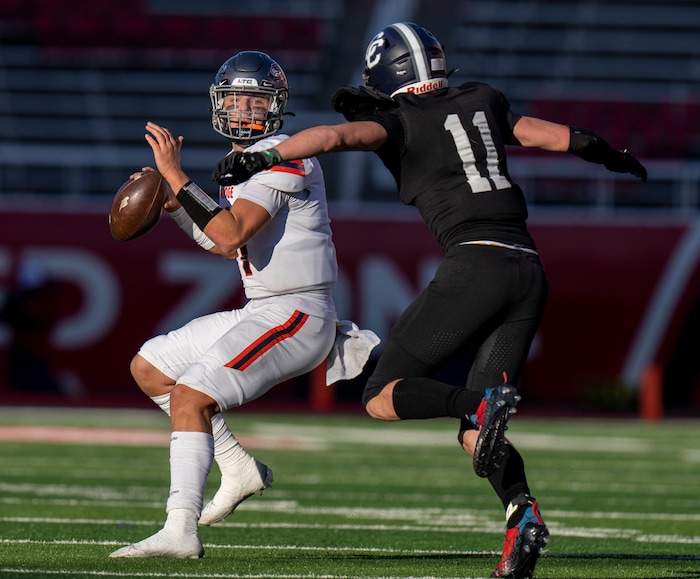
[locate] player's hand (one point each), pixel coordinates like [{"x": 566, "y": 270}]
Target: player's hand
[
  {"x": 166, "y": 149},
  {"x": 239, "y": 167},
  {"x": 171, "y": 203},
  {"x": 141, "y": 172},
  {"x": 624, "y": 162}
]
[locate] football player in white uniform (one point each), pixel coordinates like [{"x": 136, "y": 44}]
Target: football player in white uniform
[{"x": 276, "y": 226}]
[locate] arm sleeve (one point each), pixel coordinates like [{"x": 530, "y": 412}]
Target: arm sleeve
[
  {"x": 269, "y": 199},
  {"x": 187, "y": 224},
  {"x": 510, "y": 117}
]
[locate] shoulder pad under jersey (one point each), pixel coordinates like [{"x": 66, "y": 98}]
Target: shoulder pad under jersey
[{"x": 288, "y": 176}]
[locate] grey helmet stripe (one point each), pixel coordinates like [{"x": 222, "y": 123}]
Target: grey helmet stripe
[{"x": 420, "y": 62}]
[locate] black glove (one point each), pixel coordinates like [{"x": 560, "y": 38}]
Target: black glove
[
  {"x": 624, "y": 162},
  {"x": 239, "y": 167},
  {"x": 590, "y": 147},
  {"x": 359, "y": 103}
]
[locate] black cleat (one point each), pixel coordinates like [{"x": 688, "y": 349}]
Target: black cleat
[
  {"x": 524, "y": 542},
  {"x": 491, "y": 418}
]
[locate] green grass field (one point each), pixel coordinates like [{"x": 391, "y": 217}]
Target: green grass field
[{"x": 353, "y": 498}]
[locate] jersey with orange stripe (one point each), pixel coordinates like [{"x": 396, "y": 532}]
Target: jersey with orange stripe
[{"x": 294, "y": 253}]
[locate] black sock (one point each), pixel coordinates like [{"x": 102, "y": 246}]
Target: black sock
[
  {"x": 509, "y": 479},
  {"x": 425, "y": 398}
]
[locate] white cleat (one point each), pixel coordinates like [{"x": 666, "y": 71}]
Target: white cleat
[
  {"x": 172, "y": 541},
  {"x": 254, "y": 478}
]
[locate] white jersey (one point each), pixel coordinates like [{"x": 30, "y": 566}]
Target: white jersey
[
  {"x": 294, "y": 252},
  {"x": 289, "y": 324}
]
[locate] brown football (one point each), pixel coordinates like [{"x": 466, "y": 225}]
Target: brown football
[{"x": 137, "y": 206}]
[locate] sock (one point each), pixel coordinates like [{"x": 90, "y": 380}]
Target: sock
[
  {"x": 182, "y": 521},
  {"x": 509, "y": 479},
  {"x": 191, "y": 456},
  {"x": 228, "y": 452},
  {"x": 163, "y": 401},
  {"x": 427, "y": 398}
]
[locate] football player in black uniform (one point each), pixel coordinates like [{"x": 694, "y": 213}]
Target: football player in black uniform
[{"x": 445, "y": 148}]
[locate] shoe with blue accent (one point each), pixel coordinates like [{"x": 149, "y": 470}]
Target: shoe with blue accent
[
  {"x": 490, "y": 419},
  {"x": 526, "y": 539}
]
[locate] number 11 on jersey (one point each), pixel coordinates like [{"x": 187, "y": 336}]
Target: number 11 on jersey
[{"x": 477, "y": 182}]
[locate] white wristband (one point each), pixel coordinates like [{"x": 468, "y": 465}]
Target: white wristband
[{"x": 187, "y": 224}]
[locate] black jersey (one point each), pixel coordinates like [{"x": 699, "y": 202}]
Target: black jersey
[{"x": 446, "y": 151}]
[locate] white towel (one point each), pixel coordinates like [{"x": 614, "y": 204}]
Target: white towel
[{"x": 350, "y": 352}]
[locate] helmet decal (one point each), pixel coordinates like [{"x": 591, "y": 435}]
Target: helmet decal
[
  {"x": 372, "y": 57},
  {"x": 417, "y": 51},
  {"x": 405, "y": 57},
  {"x": 277, "y": 73}
]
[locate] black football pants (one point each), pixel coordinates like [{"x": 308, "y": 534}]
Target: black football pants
[{"x": 482, "y": 308}]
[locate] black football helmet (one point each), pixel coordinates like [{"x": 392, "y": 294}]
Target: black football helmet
[
  {"x": 405, "y": 57},
  {"x": 248, "y": 73}
]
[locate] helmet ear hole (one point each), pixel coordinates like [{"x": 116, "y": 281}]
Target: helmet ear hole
[{"x": 249, "y": 73}]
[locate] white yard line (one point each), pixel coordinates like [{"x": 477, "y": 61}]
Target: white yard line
[{"x": 427, "y": 522}]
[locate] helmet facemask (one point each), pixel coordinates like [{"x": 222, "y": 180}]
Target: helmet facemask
[
  {"x": 246, "y": 125},
  {"x": 248, "y": 98}
]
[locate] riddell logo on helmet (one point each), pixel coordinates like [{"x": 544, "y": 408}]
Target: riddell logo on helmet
[
  {"x": 426, "y": 86},
  {"x": 423, "y": 86}
]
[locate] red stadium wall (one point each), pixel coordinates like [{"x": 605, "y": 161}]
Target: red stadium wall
[{"x": 603, "y": 314}]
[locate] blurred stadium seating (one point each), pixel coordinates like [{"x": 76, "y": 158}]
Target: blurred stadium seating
[{"x": 78, "y": 80}]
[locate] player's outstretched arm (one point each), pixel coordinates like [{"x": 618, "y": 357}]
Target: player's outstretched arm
[
  {"x": 355, "y": 136},
  {"x": 534, "y": 132}
]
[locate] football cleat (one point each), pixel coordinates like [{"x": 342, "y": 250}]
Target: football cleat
[
  {"x": 525, "y": 540},
  {"x": 254, "y": 478},
  {"x": 178, "y": 539},
  {"x": 490, "y": 419}
]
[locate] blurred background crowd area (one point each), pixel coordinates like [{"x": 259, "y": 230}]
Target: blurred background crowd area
[{"x": 79, "y": 79}]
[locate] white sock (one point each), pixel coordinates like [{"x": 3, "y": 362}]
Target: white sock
[
  {"x": 191, "y": 455},
  {"x": 182, "y": 521},
  {"x": 163, "y": 401},
  {"x": 228, "y": 452}
]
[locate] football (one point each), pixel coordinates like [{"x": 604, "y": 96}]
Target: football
[{"x": 138, "y": 205}]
